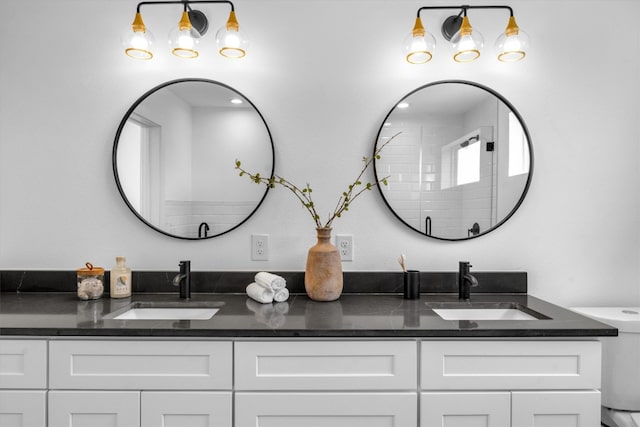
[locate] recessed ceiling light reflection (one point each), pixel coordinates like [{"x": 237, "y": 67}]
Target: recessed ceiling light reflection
[
  {"x": 403, "y": 105},
  {"x": 236, "y": 101}
]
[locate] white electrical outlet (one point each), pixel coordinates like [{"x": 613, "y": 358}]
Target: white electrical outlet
[
  {"x": 344, "y": 242},
  {"x": 259, "y": 247}
]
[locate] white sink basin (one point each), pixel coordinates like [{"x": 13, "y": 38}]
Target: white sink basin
[
  {"x": 483, "y": 314},
  {"x": 167, "y": 310},
  {"x": 478, "y": 310},
  {"x": 168, "y": 314}
]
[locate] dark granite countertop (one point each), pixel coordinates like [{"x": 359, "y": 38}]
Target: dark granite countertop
[{"x": 353, "y": 315}]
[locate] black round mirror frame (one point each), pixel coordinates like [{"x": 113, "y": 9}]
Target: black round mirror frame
[
  {"x": 524, "y": 128},
  {"x": 115, "y": 151}
]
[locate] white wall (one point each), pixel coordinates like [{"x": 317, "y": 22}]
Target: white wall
[
  {"x": 221, "y": 136},
  {"x": 324, "y": 74}
]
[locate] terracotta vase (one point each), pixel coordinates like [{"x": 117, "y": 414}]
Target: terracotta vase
[{"x": 323, "y": 274}]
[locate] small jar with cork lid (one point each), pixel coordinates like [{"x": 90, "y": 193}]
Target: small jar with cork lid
[{"x": 90, "y": 281}]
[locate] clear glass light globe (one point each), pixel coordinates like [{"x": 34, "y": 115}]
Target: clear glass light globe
[
  {"x": 137, "y": 44},
  {"x": 419, "y": 49},
  {"x": 512, "y": 48},
  {"x": 231, "y": 43},
  {"x": 466, "y": 48},
  {"x": 184, "y": 43}
]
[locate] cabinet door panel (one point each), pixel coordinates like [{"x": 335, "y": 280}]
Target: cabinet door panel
[
  {"x": 150, "y": 365},
  {"x": 23, "y": 364},
  {"x": 94, "y": 409},
  {"x": 504, "y": 365},
  {"x": 21, "y": 408},
  {"x": 326, "y": 365},
  {"x": 326, "y": 409},
  {"x": 556, "y": 409},
  {"x": 186, "y": 409},
  {"x": 465, "y": 409}
]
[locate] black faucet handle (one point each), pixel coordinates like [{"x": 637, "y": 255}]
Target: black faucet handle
[{"x": 472, "y": 279}]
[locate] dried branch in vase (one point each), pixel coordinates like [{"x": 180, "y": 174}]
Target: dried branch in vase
[{"x": 304, "y": 194}]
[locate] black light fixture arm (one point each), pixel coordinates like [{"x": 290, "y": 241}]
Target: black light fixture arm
[
  {"x": 452, "y": 24},
  {"x": 185, "y": 3},
  {"x": 463, "y": 9}
]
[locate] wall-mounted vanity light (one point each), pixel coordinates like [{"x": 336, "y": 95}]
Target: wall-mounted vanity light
[
  {"x": 466, "y": 41},
  {"x": 184, "y": 38}
]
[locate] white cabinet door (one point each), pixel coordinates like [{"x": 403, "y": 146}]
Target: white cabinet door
[
  {"x": 22, "y": 408},
  {"x": 510, "y": 365},
  {"x": 23, "y": 364},
  {"x": 465, "y": 409},
  {"x": 326, "y": 409},
  {"x": 556, "y": 409},
  {"x": 150, "y": 365},
  {"x": 326, "y": 365},
  {"x": 94, "y": 409},
  {"x": 186, "y": 409}
]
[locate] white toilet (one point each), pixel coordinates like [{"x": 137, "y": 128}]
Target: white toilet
[{"x": 620, "y": 364}]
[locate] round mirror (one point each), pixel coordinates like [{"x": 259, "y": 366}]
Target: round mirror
[
  {"x": 461, "y": 161},
  {"x": 174, "y": 158}
]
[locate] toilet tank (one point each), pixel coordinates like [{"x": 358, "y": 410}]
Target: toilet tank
[{"x": 620, "y": 356}]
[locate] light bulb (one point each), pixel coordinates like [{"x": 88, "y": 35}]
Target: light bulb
[
  {"x": 419, "y": 45},
  {"x": 183, "y": 39},
  {"x": 137, "y": 40},
  {"x": 513, "y": 43},
  {"x": 231, "y": 43},
  {"x": 467, "y": 43}
]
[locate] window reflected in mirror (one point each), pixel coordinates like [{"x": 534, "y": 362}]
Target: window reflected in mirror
[{"x": 462, "y": 158}]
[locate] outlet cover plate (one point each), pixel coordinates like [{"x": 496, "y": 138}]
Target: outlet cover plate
[
  {"x": 344, "y": 243},
  {"x": 259, "y": 247}
]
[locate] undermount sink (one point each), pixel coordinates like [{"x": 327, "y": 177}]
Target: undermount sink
[
  {"x": 166, "y": 311},
  {"x": 485, "y": 311}
]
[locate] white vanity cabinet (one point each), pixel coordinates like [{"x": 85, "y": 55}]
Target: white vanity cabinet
[
  {"x": 326, "y": 383},
  {"x": 510, "y": 383},
  {"x": 311, "y": 382},
  {"x": 134, "y": 408},
  {"x": 23, "y": 383},
  {"x": 140, "y": 383}
]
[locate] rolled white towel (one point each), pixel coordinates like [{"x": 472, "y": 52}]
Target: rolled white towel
[
  {"x": 281, "y": 295},
  {"x": 270, "y": 280},
  {"x": 260, "y": 293}
]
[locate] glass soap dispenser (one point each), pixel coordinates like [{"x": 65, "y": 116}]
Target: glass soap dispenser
[{"x": 120, "y": 279}]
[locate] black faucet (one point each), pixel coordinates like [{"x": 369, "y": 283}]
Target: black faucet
[
  {"x": 465, "y": 280},
  {"x": 206, "y": 229},
  {"x": 183, "y": 279}
]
